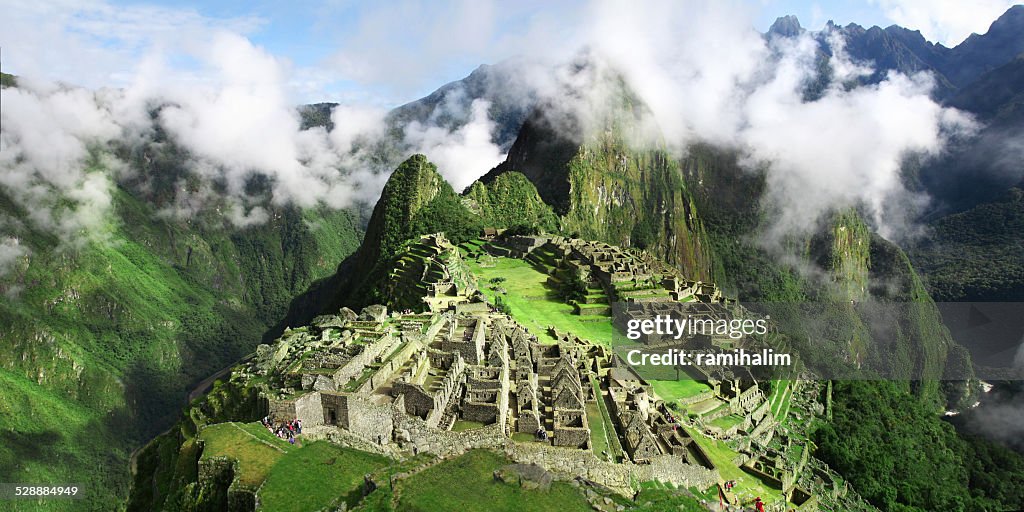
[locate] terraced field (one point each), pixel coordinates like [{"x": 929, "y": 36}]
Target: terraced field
[{"x": 533, "y": 303}]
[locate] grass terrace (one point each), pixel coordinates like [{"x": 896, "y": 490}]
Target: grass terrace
[
  {"x": 461, "y": 425},
  {"x": 706, "y": 407},
  {"x": 726, "y": 422},
  {"x": 255, "y": 449},
  {"x": 659, "y": 496},
  {"x": 534, "y": 305},
  {"x": 782, "y": 393},
  {"x": 316, "y": 476},
  {"x": 602, "y": 430},
  {"x": 670, "y": 390},
  {"x": 304, "y": 476},
  {"x": 748, "y": 486},
  {"x": 466, "y": 483}
]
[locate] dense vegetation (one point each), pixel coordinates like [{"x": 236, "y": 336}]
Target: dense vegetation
[
  {"x": 900, "y": 457},
  {"x": 977, "y": 255},
  {"x": 510, "y": 200}
]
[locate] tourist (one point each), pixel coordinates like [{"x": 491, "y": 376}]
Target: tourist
[{"x": 758, "y": 504}]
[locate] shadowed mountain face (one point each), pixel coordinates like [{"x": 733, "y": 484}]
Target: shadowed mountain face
[
  {"x": 611, "y": 178},
  {"x": 980, "y": 54}
]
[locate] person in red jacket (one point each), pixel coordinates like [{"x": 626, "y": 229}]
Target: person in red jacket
[{"x": 758, "y": 504}]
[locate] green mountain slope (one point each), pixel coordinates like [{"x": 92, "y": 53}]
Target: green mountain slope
[
  {"x": 416, "y": 200},
  {"x": 104, "y": 339}
]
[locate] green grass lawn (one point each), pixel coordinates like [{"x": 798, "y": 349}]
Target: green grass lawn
[
  {"x": 726, "y": 422},
  {"x": 466, "y": 483},
  {"x": 533, "y": 304},
  {"x": 523, "y": 437},
  {"x": 598, "y": 432},
  {"x": 255, "y": 449},
  {"x": 461, "y": 425},
  {"x": 669, "y": 390},
  {"x": 318, "y": 475},
  {"x": 655, "y": 496}
]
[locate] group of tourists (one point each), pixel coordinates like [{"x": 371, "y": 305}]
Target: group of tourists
[{"x": 286, "y": 431}]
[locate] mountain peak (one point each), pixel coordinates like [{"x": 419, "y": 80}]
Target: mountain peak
[
  {"x": 786, "y": 26},
  {"x": 979, "y": 54}
]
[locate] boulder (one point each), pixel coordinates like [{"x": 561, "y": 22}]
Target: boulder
[
  {"x": 527, "y": 476},
  {"x": 348, "y": 315},
  {"x": 374, "y": 313},
  {"x": 324, "y": 383}
]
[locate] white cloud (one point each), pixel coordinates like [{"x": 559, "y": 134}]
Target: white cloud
[
  {"x": 95, "y": 43},
  {"x": 708, "y": 76},
  {"x": 462, "y": 155},
  {"x": 945, "y": 21},
  {"x": 45, "y": 164},
  {"x": 703, "y": 70}
]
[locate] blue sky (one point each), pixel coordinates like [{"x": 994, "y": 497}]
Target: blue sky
[{"x": 382, "y": 53}]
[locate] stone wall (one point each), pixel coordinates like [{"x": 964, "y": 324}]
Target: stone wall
[
  {"x": 480, "y": 412},
  {"x": 354, "y": 367},
  {"x": 668, "y": 468},
  {"x": 418, "y": 402},
  {"x": 570, "y": 428},
  {"x": 335, "y": 407},
  {"x": 359, "y": 416},
  {"x": 309, "y": 408},
  {"x": 415, "y": 433},
  {"x": 220, "y": 472},
  {"x": 373, "y": 422},
  {"x": 760, "y": 412},
  {"x": 381, "y": 376},
  {"x": 451, "y": 383},
  {"x": 281, "y": 411},
  {"x": 707, "y": 395},
  {"x": 570, "y": 463}
]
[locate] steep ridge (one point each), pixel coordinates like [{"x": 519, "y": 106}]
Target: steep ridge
[
  {"x": 979, "y": 54},
  {"x": 612, "y": 181}
]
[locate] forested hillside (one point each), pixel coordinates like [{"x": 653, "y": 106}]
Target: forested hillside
[{"x": 105, "y": 337}]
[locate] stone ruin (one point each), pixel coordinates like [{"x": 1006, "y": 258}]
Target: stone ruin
[
  {"x": 461, "y": 375},
  {"x": 408, "y": 379}
]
